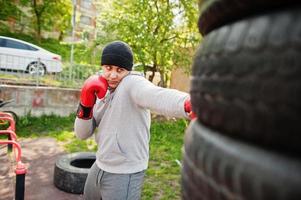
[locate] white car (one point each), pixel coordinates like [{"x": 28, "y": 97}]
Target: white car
[{"x": 20, "y": 55}]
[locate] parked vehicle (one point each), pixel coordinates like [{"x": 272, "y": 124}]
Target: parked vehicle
[{"x": 20, "y": 55}]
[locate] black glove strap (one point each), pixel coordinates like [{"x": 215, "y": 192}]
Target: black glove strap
[{"x": 84, "y": 112}]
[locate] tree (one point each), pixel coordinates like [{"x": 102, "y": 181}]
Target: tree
[
  {"x": 161, "y": 33},
  {"x": 7, "y": 9},
  {"x": 10, "y": 10},
  {"x": 50, "y": 14}
]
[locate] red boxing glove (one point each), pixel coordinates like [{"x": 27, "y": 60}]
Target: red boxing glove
[
  {"x": 93, "y": 86},
  {"x": 188, "y": 109}
]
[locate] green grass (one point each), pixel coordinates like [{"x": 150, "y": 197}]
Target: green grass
[
  {"x": 163, "y": 175},
  {"x": 162, "y": 179},
  {"x": 60, "y": 128}
]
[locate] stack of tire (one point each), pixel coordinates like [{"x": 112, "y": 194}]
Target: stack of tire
[{"x": 246, "y": 92}]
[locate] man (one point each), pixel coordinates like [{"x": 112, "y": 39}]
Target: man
[{"x": 121, "y": 114}]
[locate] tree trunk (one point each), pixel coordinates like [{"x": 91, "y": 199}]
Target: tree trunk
[
  {"x": 38, "y": 28},
  {"x": 163, "y": 80},
  {"x": 151, "y": 77},
  {"x": 38, "y": 18},
  {"x": 61, "y": 37}
]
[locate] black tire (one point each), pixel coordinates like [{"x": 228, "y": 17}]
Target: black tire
[
  {"x": 246, "y": 80},
  {"x": 71, "y": 171},
  {"x": 216, "y": 13},
  {"x": 218, "y": 167}
]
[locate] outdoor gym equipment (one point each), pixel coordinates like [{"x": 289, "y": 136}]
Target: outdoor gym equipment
[
  {"x": 12, "y": 144},
  {"x": 4, "y": 118},
  {"x": 20, "y": 170}
]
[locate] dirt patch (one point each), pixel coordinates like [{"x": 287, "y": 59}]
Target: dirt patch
[{"x": 39, "y": 155}]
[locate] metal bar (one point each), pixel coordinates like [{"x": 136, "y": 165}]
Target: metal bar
[
  {"x": 20, "y": 171},
  {"x": 20, "y": 187}
]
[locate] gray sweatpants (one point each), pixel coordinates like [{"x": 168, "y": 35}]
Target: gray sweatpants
[{"x": 101, "y": 185}]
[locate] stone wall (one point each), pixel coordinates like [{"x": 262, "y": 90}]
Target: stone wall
[{"x": 40, "y": 100}]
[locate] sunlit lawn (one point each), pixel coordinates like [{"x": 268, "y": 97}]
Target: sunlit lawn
[{"x": 162, "y": 179}]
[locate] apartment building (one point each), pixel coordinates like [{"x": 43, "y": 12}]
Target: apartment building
[{"x": 85, "y": 20}]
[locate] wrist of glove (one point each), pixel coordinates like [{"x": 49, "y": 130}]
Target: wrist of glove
[
  {"x": 188, "y": 109},
  {"x": 84, "y": 112}
]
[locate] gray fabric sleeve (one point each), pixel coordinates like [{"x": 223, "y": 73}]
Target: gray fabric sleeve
[
  {"x": 164, "y": 101},
  {"x": 84, "y": 128}
]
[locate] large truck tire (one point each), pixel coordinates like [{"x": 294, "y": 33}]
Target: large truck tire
[
  {"x": 71, "y": 171},
  {"x": 216, "y": 13},
  {"x": 246, "y": 80},
  {"x": 218, "y": 167}
]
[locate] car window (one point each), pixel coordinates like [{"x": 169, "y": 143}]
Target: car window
[
  {"x": 17, "y": 45},
  {"x": 2, "y": 42},
  {"x": 31, "y": 48}
]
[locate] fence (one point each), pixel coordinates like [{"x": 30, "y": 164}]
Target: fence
[{"x": 70, "y": 76}]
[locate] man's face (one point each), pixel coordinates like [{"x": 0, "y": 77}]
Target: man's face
[{"x": 114, "y": 74}]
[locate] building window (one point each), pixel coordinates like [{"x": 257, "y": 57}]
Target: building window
[
  {"x": 86, "y": 3},
  {"x": 85, "y": 20}
]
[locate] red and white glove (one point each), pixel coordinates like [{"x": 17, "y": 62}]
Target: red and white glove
[
  {"x": 94, "y": 86},
  {"x": 188, "y": 109}
]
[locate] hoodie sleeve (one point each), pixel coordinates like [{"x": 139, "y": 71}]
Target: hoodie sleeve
[
  {"x": 83, "y": 128},
  {"x": 164, "y": 101}
]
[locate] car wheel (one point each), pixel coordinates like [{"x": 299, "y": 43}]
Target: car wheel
[
  {"x": 218, "y": 167},
  {"x": 71, "y": 171},
  {"x": 216, "y": 13},
  {"x": 246, "y": 80},
  {"x": 36, "y": 69}
]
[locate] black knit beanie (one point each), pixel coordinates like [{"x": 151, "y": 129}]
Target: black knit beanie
[{"x": 119, "y": 54}]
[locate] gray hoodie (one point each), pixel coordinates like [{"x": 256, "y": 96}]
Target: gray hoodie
[{"x": 122, "y": 119}]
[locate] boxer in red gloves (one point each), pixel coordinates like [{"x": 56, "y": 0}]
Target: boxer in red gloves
[{"x": 118, "y": 104}]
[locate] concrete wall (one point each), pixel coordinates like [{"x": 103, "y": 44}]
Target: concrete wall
[{"x": 40, "y": 100}]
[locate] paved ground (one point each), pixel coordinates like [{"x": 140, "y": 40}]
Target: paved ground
[{"x": 39, "y": 155}]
